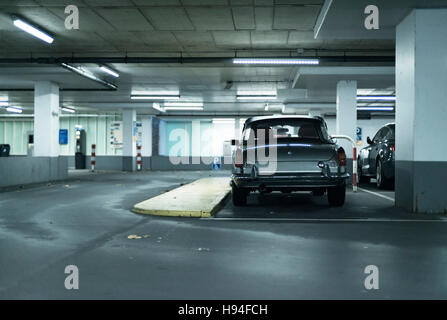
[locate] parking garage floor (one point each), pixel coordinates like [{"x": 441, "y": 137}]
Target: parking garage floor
[{"x": 278, "y": 247}]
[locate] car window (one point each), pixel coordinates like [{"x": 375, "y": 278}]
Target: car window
[
  {"x": 378, "y": 136},
  {"x": 387, "y": 134},
  {"x": 290, "y": 128}
]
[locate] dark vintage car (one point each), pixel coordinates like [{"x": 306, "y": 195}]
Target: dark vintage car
[
  {"x": 301, "y": 157},
  {"x": 377, "y": 159}
]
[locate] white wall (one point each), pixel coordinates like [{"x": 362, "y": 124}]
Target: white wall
[{"x": 13, "y": 131}]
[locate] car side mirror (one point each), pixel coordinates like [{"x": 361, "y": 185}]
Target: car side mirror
[{"x": 368, "y": 140}]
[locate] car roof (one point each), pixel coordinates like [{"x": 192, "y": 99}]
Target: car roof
[{"x": 262, "y": 118}]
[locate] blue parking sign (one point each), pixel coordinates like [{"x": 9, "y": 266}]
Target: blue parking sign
[{"x": 359, "y": 134}]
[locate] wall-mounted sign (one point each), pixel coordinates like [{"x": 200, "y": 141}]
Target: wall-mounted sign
[
  {"x": 116, "y": 134},
  {"x": 63, "y": 136}
]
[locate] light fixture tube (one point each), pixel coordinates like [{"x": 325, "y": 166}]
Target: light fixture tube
[
  {"x": 184, "y": 108},
  {"x": 14, "y": 109},
  {"x": 275, "y": 61},
  {"x": 154, "y": 97},
  {"x": 111, "y": 72},
  {"x": 375, "y": 108},
  {"x": 68, "y": 109},
  {"x": 377, "y": 98},
  {"x": 25, "y": 26}
]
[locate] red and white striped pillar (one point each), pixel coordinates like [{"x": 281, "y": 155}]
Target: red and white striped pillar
[
  {"x": 354, "y": 169},
  {"x": 139, "y": 159},
  {"x": 93, "y": 157}
]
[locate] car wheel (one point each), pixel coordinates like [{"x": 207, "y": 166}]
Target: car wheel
[
  {"x": 336, "y": 195},
  {"x": 362, "y": 178},
  {"x": 239, "y": 196},
  {"x": 382, "y": 181}
]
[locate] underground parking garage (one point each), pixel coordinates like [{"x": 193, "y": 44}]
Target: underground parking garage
[{"x": 225, "y": 150}]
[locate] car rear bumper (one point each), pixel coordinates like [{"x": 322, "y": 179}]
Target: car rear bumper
[{"x": 303, "y": 181}]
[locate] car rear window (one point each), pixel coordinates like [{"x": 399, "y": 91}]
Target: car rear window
[{"x": 297, "y": 129}]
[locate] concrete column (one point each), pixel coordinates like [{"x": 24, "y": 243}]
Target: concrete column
[
  {"x": 129, "y": 140},
  {"x": 421, "y": 112},
  {"x": 46, "y": 119},
  {"x": 196, "y": 142},
  {"x": 237, "y": 128},
  {"x": 146, "y": 143},
  {"x": 346, "y": 121}
]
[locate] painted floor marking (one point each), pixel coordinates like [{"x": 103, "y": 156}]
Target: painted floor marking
[{"x": 376, "y": 194}]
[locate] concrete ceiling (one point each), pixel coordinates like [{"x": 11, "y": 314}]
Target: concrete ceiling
[
  {"x": 143, "y": 26},
  {"x": 200, "y": 28}
]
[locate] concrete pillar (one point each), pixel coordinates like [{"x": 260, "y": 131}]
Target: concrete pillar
[
  {"x": 421, "y": 112},
  {"x": 314, "y": 113},
  {"x": 196, "y": 142},
  {"x": 346, "y": 120},
  {"x": 146, "y": 141},
  {"x": 129, "y": 140},
  {"x": 237, "y": 128},
  {"x": 46, "y": 119}
]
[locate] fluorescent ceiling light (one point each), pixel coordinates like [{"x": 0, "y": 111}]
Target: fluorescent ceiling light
[
  {"x": 88, "y": 75},
  {"x": 14, "y": 109},
  {"x": 375, "y": 108},
  {"x": 275, "y": 61},
  {"x": 183, "y": 104},
  {"x": 108, "y": 70},
  {"x": 376, "y": 98},
  {"x": 155, "y": 97},
  {"x": 184, "y": 108},
  {"x": 4, "y": 103},
  {"x": 68, "y": 109},
  {"x": 19, "y": 23},
  {"x": 157, "y": 107},
  {"x": 259, "y": 97}
]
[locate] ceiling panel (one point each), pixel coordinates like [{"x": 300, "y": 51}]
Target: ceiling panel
[
  {"x": 264, "y": 18},
  {"x": 165, "y": 18},
  {"x": 212, "y": 18},
  {"x": 268, "y": 38},
  {"x": 244, "y": 17},
  {"x": 194, "y": 39},
  {"x": 232, "y": 38},
  {"x": 295, "y": 17},
  {"x": 126, "y": 19}
]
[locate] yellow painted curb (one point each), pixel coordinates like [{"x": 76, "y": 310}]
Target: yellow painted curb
[{"x": 199, "y": 199}]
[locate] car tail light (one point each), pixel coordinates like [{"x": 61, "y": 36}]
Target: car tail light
[
  {"x": 341, "y": 157},
  {"x": 393, "y": 147},
  {"x": 238, "y": 159}
]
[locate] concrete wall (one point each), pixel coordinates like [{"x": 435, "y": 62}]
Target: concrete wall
[{"x": 24, "y": 170}]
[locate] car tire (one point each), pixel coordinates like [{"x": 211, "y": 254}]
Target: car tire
[
  {"x": 336, "y": 195},
  {"x": 382, "y": 181},
  {"x": 239, "y": 196},
  {"x": 362, "y": 178}
]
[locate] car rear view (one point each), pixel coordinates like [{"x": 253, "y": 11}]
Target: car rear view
[{"x": 286, "y": 154}]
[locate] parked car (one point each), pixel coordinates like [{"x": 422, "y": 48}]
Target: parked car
[
  {"x": 377, "y": 159},
  {"x": 307, "y": 159}
]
